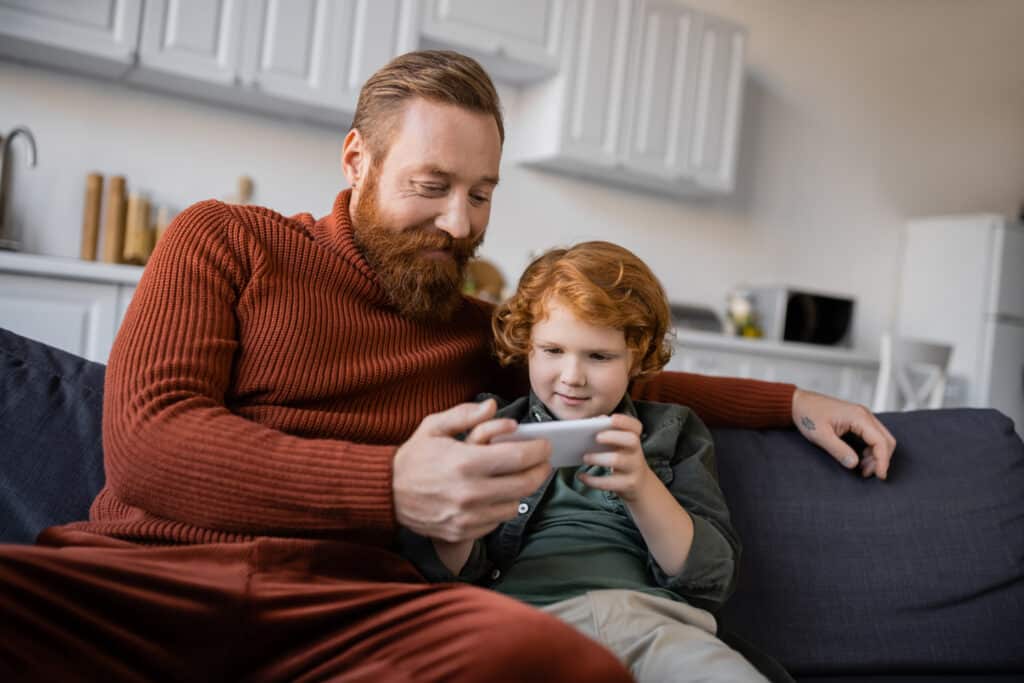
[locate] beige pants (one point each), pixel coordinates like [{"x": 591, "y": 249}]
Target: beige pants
[{"x": 660, "y": 640}]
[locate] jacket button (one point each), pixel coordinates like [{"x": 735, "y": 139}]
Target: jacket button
[
  {"x": 495, "y": 574},
  {"x": 523, "y": 508}
]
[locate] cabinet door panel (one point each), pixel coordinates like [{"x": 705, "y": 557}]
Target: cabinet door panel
[
  {"x": 195, "y": 38},
  {"x": 68, "y": 314},
  {"x": 715, "y": 363},
  {"x": 516, "y": 40},
  {"x": 823, "y": 378},
  {"x": 596, "y": 90},
  {"x": 718, "y": 103},
  {"x": 322, "y": 51},
  {"x": 663, "y": 90},
  {"x": 55, "y": 32}
]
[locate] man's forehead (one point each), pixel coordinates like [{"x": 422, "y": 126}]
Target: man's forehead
[{"x": 446, "y": 140}]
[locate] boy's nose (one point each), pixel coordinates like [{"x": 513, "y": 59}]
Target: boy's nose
[{"x": 572, "y": 375}]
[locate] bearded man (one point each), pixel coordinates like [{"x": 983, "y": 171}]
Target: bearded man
[{"x": 278, "y": 403}]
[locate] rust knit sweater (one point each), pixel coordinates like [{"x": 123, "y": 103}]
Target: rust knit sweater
[{"x": 260, "y": 382}]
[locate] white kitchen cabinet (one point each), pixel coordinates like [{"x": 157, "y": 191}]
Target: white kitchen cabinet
[
  {"x": 197, "y": 39},
  {"x": 664, "y": 77},
  {"x": 98, "y": 37},
  {"x": 648, "y": 95},
  {"x": 714, "y": 139},
  {"x": 963, "y": 285},
  {"x": 322, "y": 51},
  {"x": 516, "y": 42},
  {"x": 72, "y": 305},
  {"x": 846, "y": 374},
  {"x": 302, "y": 59}
]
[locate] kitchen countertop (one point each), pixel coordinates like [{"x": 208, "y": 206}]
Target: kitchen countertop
[
  {"x": 68, "y": 268},
  {"x": 797, "y": 351},
  {"x": 76, "y": 269}
]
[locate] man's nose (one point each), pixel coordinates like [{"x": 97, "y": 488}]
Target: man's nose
[{"x": 454, "y": 220}]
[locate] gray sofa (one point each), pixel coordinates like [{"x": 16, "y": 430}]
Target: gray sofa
[{"x": 919, "y": 578}]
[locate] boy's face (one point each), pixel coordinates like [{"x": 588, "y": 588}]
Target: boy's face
[{"x": 577, "y": 369}]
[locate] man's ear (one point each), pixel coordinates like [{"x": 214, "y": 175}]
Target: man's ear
[{"x": 355, "y": 158}]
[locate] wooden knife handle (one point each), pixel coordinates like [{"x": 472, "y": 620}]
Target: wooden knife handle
[
  {"x": 91, "y": 216},
  {"x": 113, "y": 220}
]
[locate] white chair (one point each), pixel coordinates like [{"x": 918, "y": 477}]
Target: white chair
[{"x": 911, "y": 374}]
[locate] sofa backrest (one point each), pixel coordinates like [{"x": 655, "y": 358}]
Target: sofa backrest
[
  {"x": 921, "y": 573},
  {"x": 51, "y": 453}
]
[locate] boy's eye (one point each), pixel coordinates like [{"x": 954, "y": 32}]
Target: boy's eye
[
  {"x": 552, "y": 350},
  {"x": 599, "y": 356}
]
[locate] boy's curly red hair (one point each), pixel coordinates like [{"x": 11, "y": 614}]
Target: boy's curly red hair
[{"x": 603, "y": 284}]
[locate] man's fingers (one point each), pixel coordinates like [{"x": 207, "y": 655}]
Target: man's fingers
[
  {"x": 879, "y": 440},
  {"x": 868, "y": 466},
  {"x": 838, "y": 449},
  {"x": 497, "y": 459},
  {"x": 461, "y": 418},
  {"x": 508, "y": 488},
  {"x": 485, "y": 431}
]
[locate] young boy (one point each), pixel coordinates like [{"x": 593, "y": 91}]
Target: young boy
[{"x": 634, "y": 546}]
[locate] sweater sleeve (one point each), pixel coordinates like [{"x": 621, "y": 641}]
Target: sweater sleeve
[
  {"x": 171, "y": 445},
  {"x": 723, "y": 401}
]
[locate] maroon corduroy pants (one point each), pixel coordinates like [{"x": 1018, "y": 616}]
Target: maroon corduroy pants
[{"x": 85, "y": 607}]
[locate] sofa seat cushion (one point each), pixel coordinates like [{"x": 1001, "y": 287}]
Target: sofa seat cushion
[{"x": 921, "y": 573}]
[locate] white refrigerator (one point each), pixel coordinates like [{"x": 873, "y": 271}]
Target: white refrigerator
[{"x": 963, "y": 284}]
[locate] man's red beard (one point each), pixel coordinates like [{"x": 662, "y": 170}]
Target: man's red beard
[{"x": 421, "y": 285}]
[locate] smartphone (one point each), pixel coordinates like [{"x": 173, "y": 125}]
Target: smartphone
[{"x": 570, "y": 439}]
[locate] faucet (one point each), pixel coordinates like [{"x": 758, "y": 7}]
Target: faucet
[{"x": 8, "y": 241}]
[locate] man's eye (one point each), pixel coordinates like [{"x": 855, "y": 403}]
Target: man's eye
[
  {"x": 479, "y": 199},
  {"x": 429, "y": 188}
]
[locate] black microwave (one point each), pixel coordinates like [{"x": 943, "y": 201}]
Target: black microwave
[{"x": 799, "y": 315}]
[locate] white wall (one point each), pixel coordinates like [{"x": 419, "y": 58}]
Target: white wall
[{"x": 858, "y": 115}]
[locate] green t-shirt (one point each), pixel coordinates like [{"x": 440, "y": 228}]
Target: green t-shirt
[{"x": 580, "y": 539}]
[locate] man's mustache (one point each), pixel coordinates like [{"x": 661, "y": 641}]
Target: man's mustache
[{"x": 424, "y": 238}]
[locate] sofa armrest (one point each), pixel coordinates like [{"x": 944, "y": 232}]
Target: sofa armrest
[{"x": 921, "y": 573}]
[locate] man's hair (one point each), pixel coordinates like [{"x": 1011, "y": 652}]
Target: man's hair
[
  {"x": 603, "y": 284},
  {"x": 436, "y": 75}
]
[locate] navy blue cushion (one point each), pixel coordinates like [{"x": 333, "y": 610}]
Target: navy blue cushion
[
  {"x": 51, "y": 453},
  {"x": 921, "y": 573}
]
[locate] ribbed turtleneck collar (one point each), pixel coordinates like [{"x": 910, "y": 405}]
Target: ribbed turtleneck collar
[{"x": 335, "y": 232}]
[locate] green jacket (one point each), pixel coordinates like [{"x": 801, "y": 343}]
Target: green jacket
[{"x": 680, "y": 452}]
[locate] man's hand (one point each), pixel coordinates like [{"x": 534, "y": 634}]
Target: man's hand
[
  {"x": 823, "y": 419},
  {"x": 458, "y": 491}
]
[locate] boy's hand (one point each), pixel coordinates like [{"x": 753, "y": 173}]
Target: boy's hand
[{"x": 629, "y": 473}]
